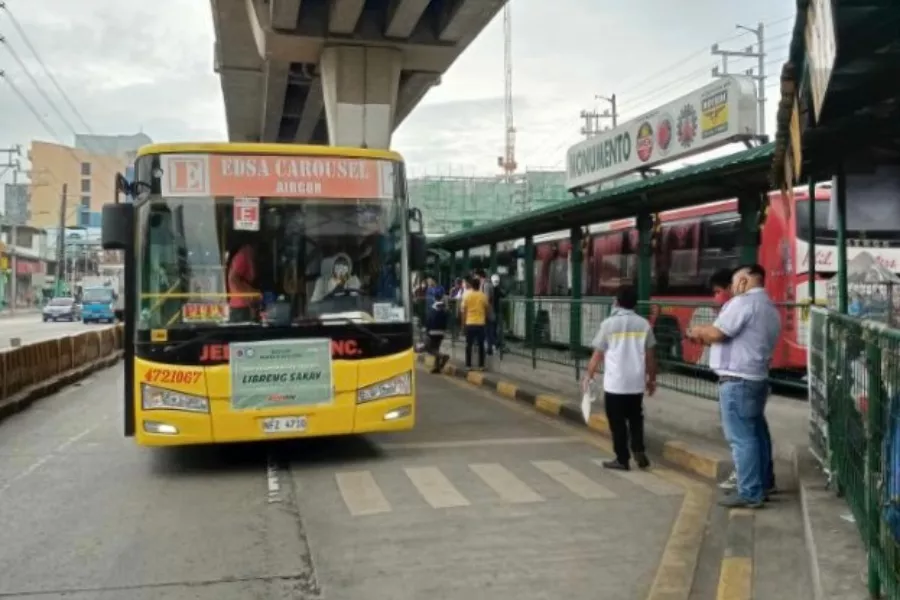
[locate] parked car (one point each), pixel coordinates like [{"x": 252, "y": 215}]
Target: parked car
[{"x": 62, "y": 309}]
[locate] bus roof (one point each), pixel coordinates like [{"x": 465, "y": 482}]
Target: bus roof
[
  {"x": 273, "y": 149},
  {"x": 823, "y": 193}
]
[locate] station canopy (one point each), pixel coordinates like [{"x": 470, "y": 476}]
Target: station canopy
[{"x": 745, "y": 172}]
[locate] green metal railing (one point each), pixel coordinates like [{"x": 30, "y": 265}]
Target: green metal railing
[
  {"x": 560, "y": 330},
  {"x": 858, "y": 369}
]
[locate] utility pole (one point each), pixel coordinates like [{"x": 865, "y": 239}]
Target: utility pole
[
  {"x": 61, "y": 242},
  {"x": 12, "y": 163},
  {"x": 760, "y": 77},
  {"x": 592, "y": 118},
  {"x": 591, "y": 123}
]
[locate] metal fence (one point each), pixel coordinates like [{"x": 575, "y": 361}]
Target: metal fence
[
  {"x": 561, "y": 331},
  {"x": 855, "y": 413}
]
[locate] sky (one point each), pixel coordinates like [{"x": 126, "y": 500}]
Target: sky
[{"x": 132, "y": 66}]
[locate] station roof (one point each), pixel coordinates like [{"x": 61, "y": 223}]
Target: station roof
[
  {"x": 717, "y": 179},
  {"x": 860, "y": 105}
]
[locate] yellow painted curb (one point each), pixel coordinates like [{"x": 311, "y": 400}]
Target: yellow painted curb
[
  {"x": 600, "y": 424},
  {"x": 692, "y": 460},
  {"x": 678, "y": 565},
  {"x": 548, "y": 404},
  {"x": 507, "y": 390},
  {"x": 429, "y": 362},
  {"x": 735, "y": 579},
  {"x": 476, "y": 378}
]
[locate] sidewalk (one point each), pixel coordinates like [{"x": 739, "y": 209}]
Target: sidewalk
[
  {"x": 5, "y": 313},
  {"x": 804, "y": 542},
  {"x": 669, "y": 414}
]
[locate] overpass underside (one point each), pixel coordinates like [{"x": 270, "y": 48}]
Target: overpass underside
[{"x": 344, "y": 72}]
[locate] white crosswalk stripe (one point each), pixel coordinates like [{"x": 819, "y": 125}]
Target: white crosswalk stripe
[
  {"x": 435, "y": 487},
  {"x": 508, "y": 486},
  {"x": 363, "y": 496},
  {"x": 648, "y": 481},
  {"x": 575, "y": 481},
  {"x": 361, "y": 493}
]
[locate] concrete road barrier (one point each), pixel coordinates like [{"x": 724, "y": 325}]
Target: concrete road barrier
[{"x": 35, "y": 370}]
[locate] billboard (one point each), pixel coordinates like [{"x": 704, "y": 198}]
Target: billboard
[
  {"x": 16, "y": 203},
  {"x": 717, "y": 114}
]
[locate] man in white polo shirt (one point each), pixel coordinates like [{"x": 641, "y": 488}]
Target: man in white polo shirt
[{"x": 625, "y": 344}]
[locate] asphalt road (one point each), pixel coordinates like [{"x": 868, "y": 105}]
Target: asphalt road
[
  {"x": 30, "y": 328},
  {"x": 482, "y": 500}
]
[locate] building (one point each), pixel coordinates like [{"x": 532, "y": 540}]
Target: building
[
  {"x": 452, "y": 203},
  {"x": 15, "y": 204},
  {"x": 123, "y": 146},
  {"x": 88, "y": 170},
  {"x": 24, "y": 263}
]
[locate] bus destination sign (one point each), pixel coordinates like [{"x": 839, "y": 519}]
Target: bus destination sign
[{"x": 255, "y": 176}]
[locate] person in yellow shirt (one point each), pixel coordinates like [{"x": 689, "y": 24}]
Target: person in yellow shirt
[{"x": 475, "y": 312}]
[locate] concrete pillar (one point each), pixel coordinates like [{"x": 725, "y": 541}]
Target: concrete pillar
[{"x": 359, "y": 86}]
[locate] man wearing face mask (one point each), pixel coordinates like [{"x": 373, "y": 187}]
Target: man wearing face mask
[
  {"x": 720, "y": 282},
  {"x": 742, "y": 340}
]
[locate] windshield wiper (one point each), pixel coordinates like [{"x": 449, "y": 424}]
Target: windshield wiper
[
  {"x": 200, "y": 337},
  {"x": 216, "y": 333},
  {"x": 382, "y": 340}
]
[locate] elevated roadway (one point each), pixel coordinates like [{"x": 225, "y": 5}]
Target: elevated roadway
[{"x": 345, "y": 72}]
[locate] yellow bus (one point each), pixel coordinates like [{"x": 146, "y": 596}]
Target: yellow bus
[{"x": 267, "y": 292}]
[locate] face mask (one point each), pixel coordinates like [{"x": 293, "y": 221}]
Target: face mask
[{"x": 721, "y": 297}]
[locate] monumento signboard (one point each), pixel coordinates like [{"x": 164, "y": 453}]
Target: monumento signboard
[{"x": 717, "y": 114}]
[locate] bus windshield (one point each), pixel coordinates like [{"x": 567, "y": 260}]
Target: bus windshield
[
  {"x": 824, "y": 235},
  {"x": 221, "y": 260}
]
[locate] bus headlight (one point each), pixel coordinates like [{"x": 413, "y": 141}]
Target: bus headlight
[
  {"x": 401, "y": 385},
  {"x": 154, "y": 398}
]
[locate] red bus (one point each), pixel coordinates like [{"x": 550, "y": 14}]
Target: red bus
[{"x": 693, "y": 243}]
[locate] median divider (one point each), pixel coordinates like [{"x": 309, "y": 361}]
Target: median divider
[{"x": 32, "y": 371}]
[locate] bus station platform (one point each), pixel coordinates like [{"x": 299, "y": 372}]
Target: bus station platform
[{"x": 803, "y": 544}]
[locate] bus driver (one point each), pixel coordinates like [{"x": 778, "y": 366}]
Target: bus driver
[{"x": 341, "y": 277}]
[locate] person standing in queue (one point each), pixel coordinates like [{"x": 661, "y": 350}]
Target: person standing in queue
[
  {"x": 436, "y": 329},
  {"x": 624, "y": 344},
  {"x": 243, "y": 295},
  {"x": 743, "y": 338},
  {"x": 720, "y": 282},
  {"x": 475, "y": 312}
]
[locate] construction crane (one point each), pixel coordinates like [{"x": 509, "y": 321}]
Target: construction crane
[{"x": 507, "y": 162}]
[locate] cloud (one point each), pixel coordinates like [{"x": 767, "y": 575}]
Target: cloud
[{"x": 124, "y": 66}]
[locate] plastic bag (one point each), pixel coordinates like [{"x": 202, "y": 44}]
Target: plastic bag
[{"x": 587, "y": 399}]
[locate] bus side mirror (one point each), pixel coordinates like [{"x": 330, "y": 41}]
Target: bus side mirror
[
  {"x": 418, "y": 251},
  {"x": 117, "y": 230}
]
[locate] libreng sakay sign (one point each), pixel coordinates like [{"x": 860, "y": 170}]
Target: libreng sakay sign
[{"x": 722, "y": 112}]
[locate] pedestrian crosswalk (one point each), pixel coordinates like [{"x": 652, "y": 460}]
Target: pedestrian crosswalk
[{"x": 456, "y": 486}]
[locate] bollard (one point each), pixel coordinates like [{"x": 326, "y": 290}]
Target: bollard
[{"x": 15, "y": 342}]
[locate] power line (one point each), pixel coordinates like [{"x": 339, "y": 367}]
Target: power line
[
  {"x": 28, "y": 104},
  {"x": 40, "y": 61},
  {"x": 698, "y": 53},
  {"x": 644, "y": 98},
  {"x": 35, "y": 82}
]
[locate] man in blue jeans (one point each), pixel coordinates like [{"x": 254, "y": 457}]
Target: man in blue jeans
[{"x": 742, "y": 340}]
